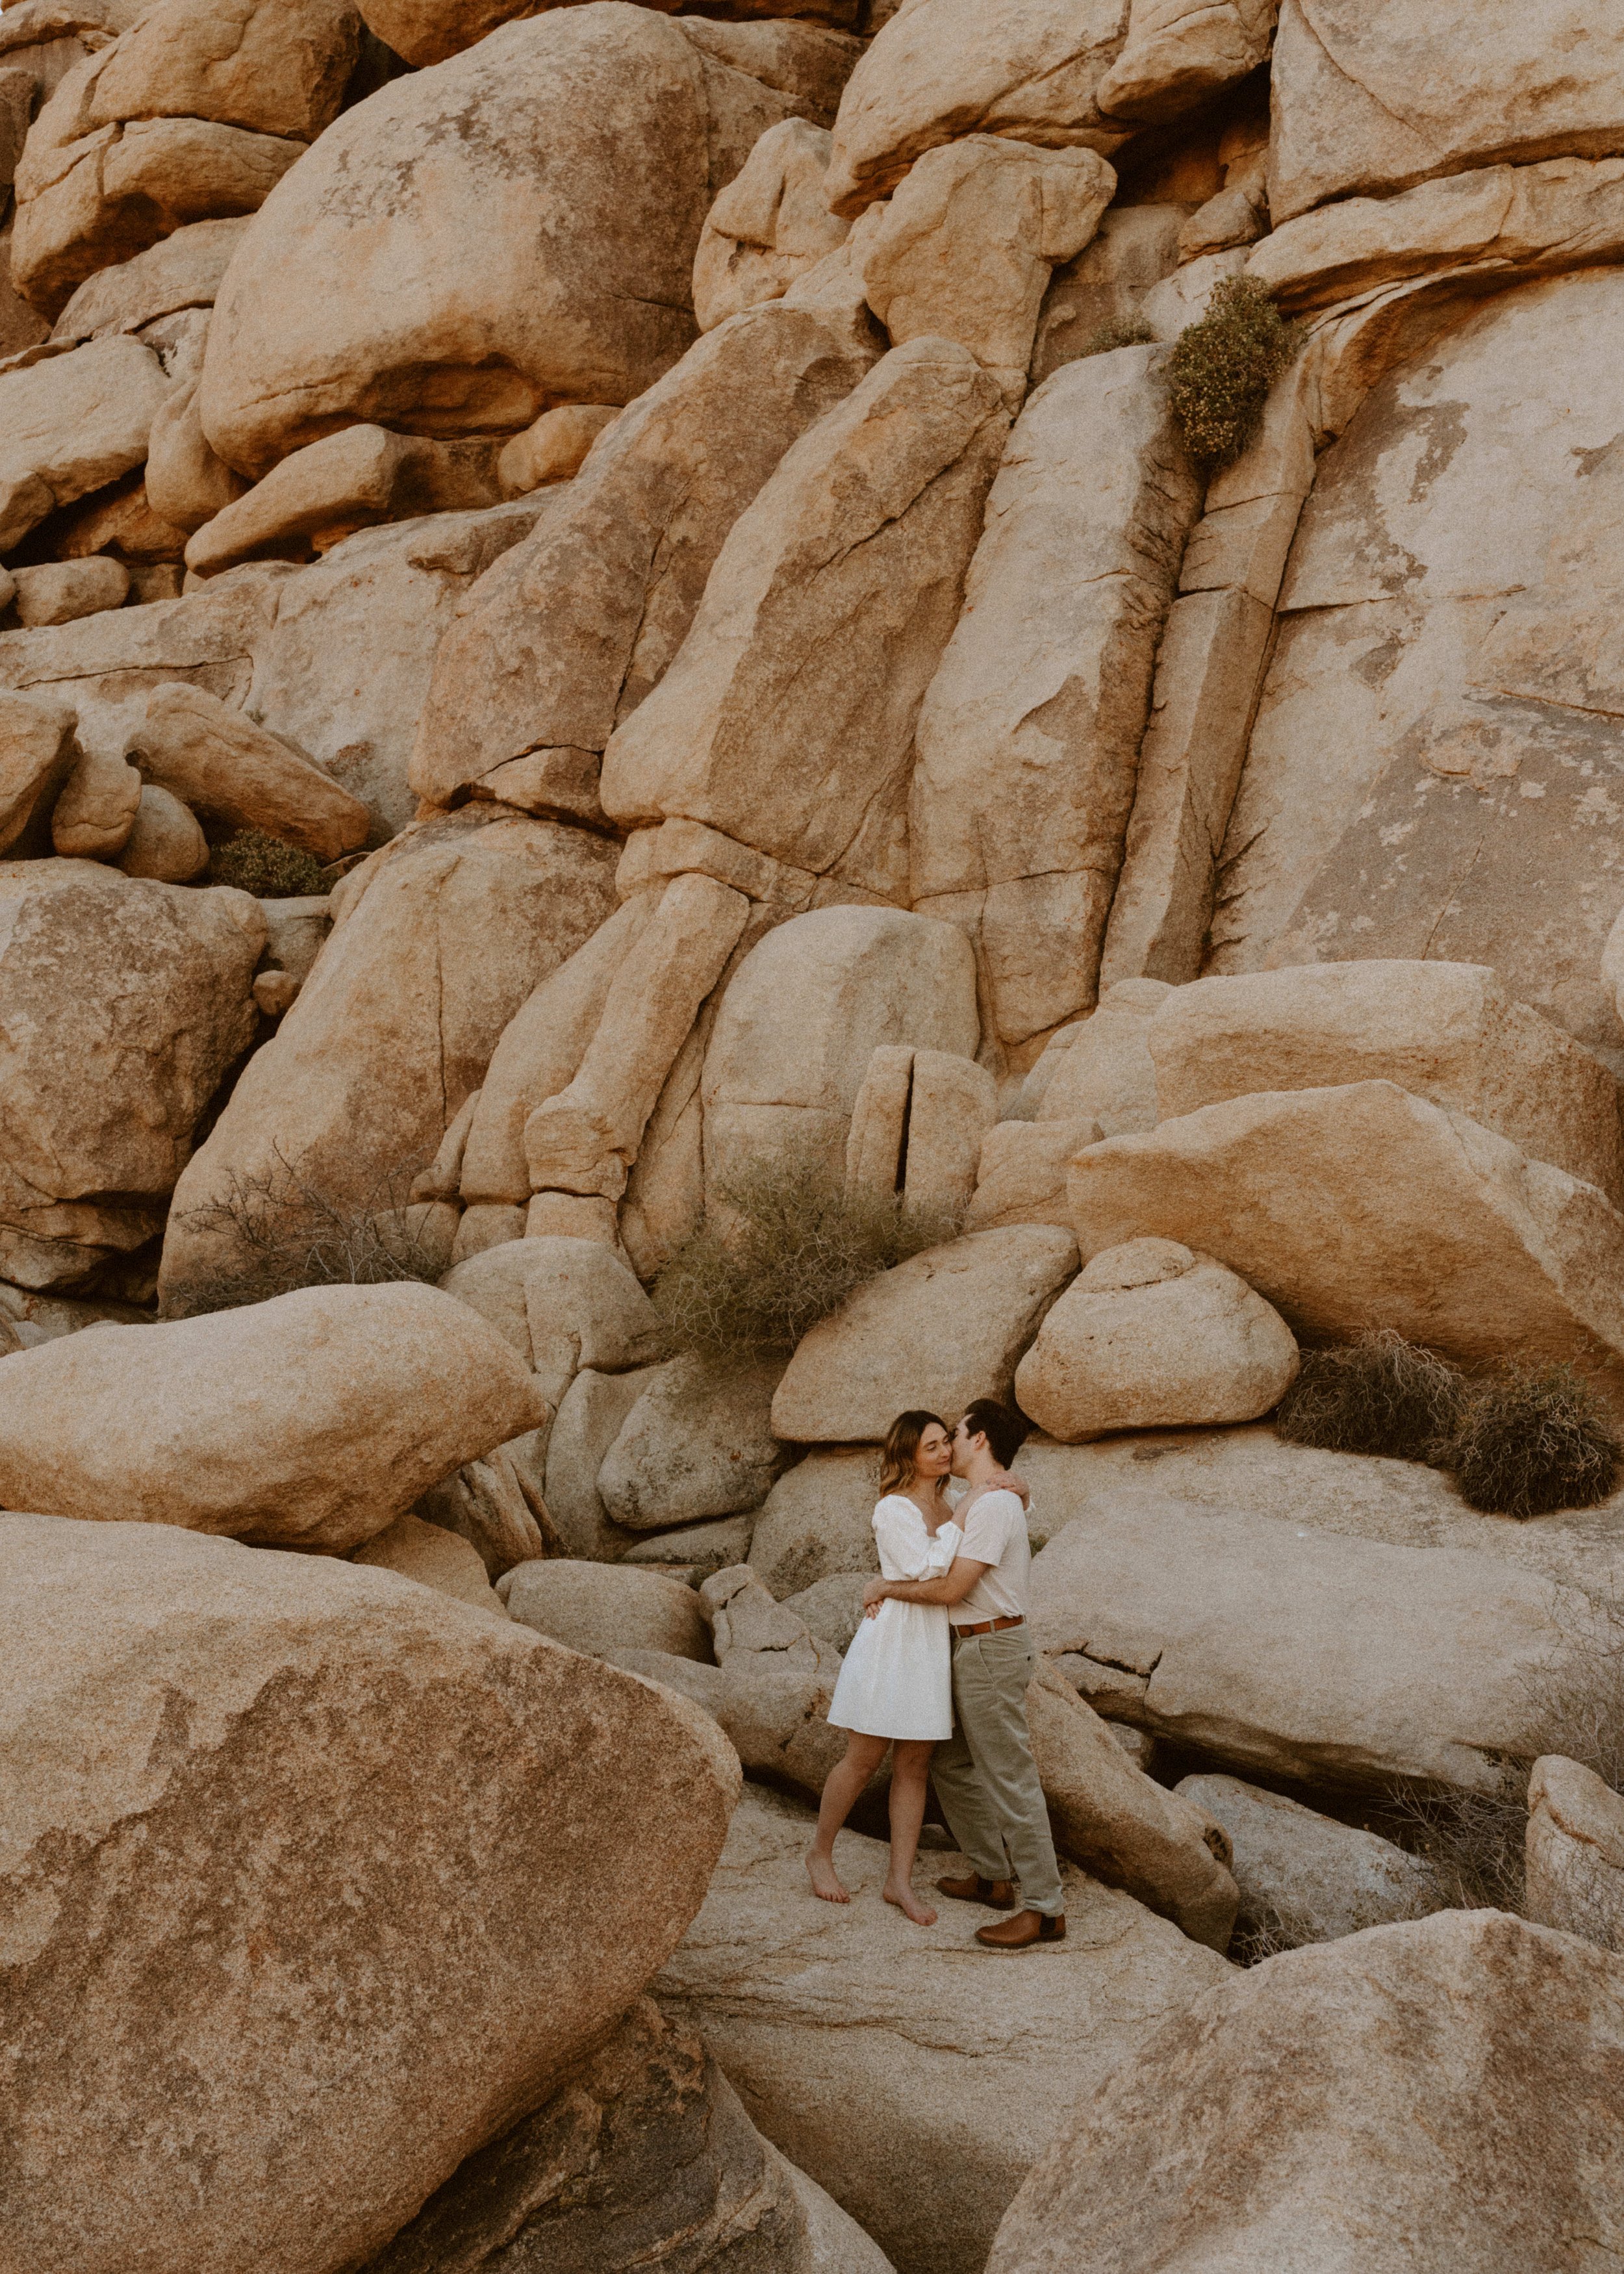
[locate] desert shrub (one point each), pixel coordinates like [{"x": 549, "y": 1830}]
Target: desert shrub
[
  {"x": 1130, "y": 334},
  {"x": 1474, "y": 1841},
  {"x": 1378, "y": 1395},
  {"x": 273, "y": 1231},
  {"x": 256, "y": 862},
  {"x": 1221, "y": 369},
  {"x": 791, "y": 1244},
  {"x": 1532, "y": 1438}
]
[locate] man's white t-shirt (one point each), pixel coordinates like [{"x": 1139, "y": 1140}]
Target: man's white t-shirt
[{"x": 995, "y": 1533}]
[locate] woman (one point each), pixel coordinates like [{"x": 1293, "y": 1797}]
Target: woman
[{"x": 896, "y": 1685}]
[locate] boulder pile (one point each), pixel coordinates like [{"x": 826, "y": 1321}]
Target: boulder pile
[{"x": 660, "y": 795}]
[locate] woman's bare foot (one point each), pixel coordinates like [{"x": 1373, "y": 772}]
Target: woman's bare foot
[
  {"x": 825, "y": 1880},
  {"x": 899, "y": 1893}
]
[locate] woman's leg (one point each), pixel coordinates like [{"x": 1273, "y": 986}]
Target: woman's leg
[
  {"x": 910, "y": 1777},
  {"x": 863, "y": 1756}
]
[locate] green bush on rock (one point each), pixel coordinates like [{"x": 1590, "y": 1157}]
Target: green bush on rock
[
  {"x": 256, "y": 862},
  {"x": 1221, "y": 369}
]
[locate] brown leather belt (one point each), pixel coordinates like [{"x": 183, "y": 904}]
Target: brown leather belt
[{"x": 990, "y": 1626}]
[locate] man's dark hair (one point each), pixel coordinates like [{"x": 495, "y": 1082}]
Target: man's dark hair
[{"x": 1006, "y": 1430}]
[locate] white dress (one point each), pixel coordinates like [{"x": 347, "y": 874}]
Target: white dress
[{"x": 898, "y": 1678}]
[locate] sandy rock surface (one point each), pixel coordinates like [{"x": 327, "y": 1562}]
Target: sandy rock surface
[
  {"x": 1298, "y": 2107},
  {"x": 1304, "y": 1877},
  {"x": 963, "y": 2078},
  {"x": 158, "y": 1698}
]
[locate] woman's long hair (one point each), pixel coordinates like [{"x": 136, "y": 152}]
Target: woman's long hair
[{"x": 900, "y": 1456}]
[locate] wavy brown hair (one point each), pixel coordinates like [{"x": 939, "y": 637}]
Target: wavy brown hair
[{"x": 900, "y": 1454}]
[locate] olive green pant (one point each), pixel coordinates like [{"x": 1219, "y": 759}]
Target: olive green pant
[{"x": 984, "y": 1774}]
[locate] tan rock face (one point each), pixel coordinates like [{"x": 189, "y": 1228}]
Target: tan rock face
[
  {"x": 596, "y": 1607},
  {"x": 1373, "y": 103},
  {"x": 60, "y": 592},
  {"x": 1029, "y": 736},
  {"x": 38, "y": 754},
  {"x": 314, "y": 1419},
  {"x": 434, "y": 1558},
  {"x": 1307, "y": 1876},
  {"x": 505, "y": 333},
  {"x": 1101, "y": 1067},
  {"x": 812, "y": 2016},
  {"x": 93, "y": 818},
  {"x": 647, "y": 2149},
  {"x": 563, "y": 1305},
  {"x": 194, "y": 113},
  {"x": 1110, "y": 1818},
  {"x": 1576, "y": 1852},
  {"x": 1180, "y": 52},
  {"x": 817, "y": 1522},
  {"x": 553, "y": 449},
  {"x": 1300, "y": 1654},
  {"x": 573, "y": 628},
  {"x": 71, "y": 426},
  {"x": 965, "y": 246},
  {"x": 1444, "y": 1031},
  {"x": 943, "y": 1327},
  {"x": 1568, "y": 212},
  {"x": 104, "y": 1081},
  {"x": 1193, "y": 1344},
  {"x": 1021, "y": 1176},
  {"x": 1299, "y": 2106},
  {"x": 451, "y": 932},
  {"x": 802, "y": 1017},
  {"x": 165, "y": 842},
  {"x": 1472, "y": 732},
  {"x": 770, "y": 225},
  {"x": 696, "y": 1444},
  {"x": 787, "y": 721},
  {"x": 346, "y": 481},
  {"x": 231, "y": 771},
  {"x": 1411, "y": 1216},
  {"x": 940, "y": 69},
  {"x": 169, "y": 1682},
  {"x": 182, "y": 271}
]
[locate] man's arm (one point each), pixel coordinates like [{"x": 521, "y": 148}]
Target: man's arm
[{"x": 954, "y": 1585}]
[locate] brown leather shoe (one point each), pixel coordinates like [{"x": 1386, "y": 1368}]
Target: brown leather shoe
[
  {"x": 997, "y": 1894},
  {"x": 1026, "y": 1931}
]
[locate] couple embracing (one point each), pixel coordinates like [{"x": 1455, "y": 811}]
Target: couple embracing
[{"x": 939, "y": 1668}]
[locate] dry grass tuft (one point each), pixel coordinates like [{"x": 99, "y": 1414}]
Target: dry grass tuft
[
  {"x": 1530, "y": 1440},
  {"x": 276, "y": 1232},
  {"x": 1381, "y": 1395},
  {"x": 256, "y": 862},
  {"x": 792, "y": 1245},
  {"x": 1220, "y": 370}
]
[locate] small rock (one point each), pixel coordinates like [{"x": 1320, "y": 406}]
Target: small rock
[
  {"x": 61, "y": 591},
  {"x": 1576, "y": 1852},
  {"x": 697, "y": 1444},
  {"x": 434, "y": 1558},
  {"x": 38, "y": 756},
  {"x": 552, "y": 450},
  {"x": 818, "y": 1519},
  {"x": 165, "y": 842},
  {"x": 236, "y": 773},
  {"x": 597, "y": 1608},
  {"x": 831, "y": 1607},
  {"x": 1304, "y": 1878},
  {"x": 93, "y": 818}
]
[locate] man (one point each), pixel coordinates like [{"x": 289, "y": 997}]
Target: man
[{"x": 984, "y": 1775}]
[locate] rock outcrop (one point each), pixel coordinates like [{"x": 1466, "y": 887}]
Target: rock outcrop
[
  {"x": 184, "y": 1865},
  {"x": 1299, "y": 2106},
  {"x": 312, "y": 1420}
]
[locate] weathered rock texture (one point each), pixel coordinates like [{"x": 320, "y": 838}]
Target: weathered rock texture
[
  {"x": 1301, "y": 1654},
  {"x": 1153, "y": 1333},
  {"x": 437, "y": 947},
  {"x": 1302, "y": 2107},
  {"x": 1362, "y": 1206},
  {"x": 946, "y": 1327},
  {"x": 1576, "y": 1852},
  {"x": 230, "y": 771},
  {"x": 1434, "y": 768},
  {"x": 1304, "y": 1877},
  {"x": 70, "y": 425},
  {"x": 940, "y": 69},
  {"x": 787, "y": 721},
  {"x": 311, "y": 1421},
  {"x": 489, "y": 274},
  {"x": 199, "y": 1892},
  {"x": 594, "y": 1608},
  {"x": 813, "y": 2011},
  {"x": 1180, "y": 52},
  {"x": 1029, "y": 736},
  {"x": 770, "y": 225},
  {"x": 646, "y": 2157},
  {"x": 105, "y": 1075},
  {"x": 1373, "y": 103},
  {"x": 576, "y": 627}
]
